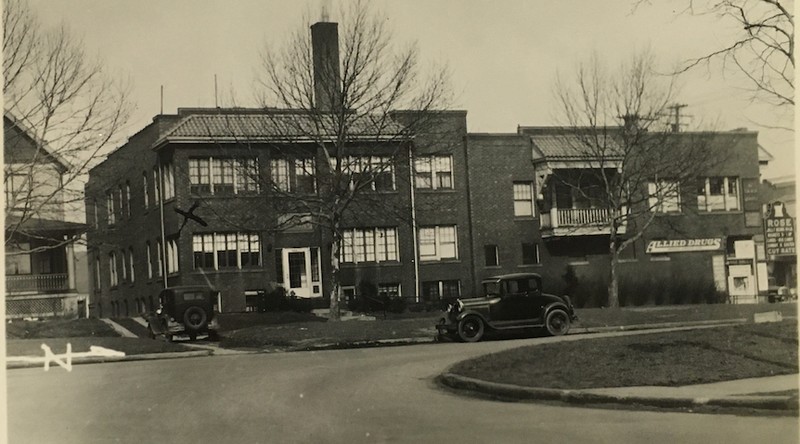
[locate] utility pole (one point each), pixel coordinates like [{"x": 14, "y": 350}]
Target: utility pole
[{"x": 676, "y": 115}]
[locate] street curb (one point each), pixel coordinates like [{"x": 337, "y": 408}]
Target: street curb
[
  {"x": 510, "y": 391},
  {"x": 635, "y": 327},
  {"x": 99, "y": 360}
]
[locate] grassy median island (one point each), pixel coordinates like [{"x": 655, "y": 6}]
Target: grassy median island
[{"x": 655, "y": 359}]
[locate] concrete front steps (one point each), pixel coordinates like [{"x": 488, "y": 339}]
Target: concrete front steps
[{"x": 344, "y": 315}]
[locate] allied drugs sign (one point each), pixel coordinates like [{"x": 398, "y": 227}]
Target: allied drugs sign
[
  {"x": 683, "y": 245},
  {"x": 779, "y": 233}
]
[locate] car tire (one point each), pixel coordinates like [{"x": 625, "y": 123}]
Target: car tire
[
  {"x": 471, "y": 329},
  {"x": 195, "y": 318},
  {"x": 557, "y": 322}
]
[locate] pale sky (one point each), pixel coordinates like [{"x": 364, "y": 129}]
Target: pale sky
[{"x": 504, "y": 55}]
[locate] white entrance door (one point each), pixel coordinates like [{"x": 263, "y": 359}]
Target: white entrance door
[{"x": 301, "y": 272}]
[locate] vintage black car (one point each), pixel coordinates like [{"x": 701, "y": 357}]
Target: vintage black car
[
  {"x": 510, "y": 301},
  {"x": 187, "y": 310}
]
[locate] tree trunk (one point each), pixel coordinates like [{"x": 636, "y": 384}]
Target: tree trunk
[
  {"x": 613, "y": 284},
  {"x": 336, "y": 287}
]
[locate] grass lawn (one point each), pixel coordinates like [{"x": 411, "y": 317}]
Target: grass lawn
[
  {"x": 660, "y": 359},
  {"x": 131, "y": 346},
  {"x": 299, "y": 335},
  {"x": 58, "y": 329}
]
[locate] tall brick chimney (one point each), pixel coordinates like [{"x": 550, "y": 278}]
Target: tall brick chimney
[{"x": 325, "y": 50}]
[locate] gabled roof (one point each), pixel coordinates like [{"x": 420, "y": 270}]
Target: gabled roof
[
  {"x": 273, "y": 126},
  {"x": 17, "y": 136},
  {"x": 764, "y": 156}
]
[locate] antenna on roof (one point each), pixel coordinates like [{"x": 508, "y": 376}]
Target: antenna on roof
[
  {"x": 162, "y": 99},
  {"x": 216, "y": 104}
]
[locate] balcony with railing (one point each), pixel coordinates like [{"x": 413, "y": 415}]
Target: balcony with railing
[
  {"x": 576, "y": 222},
  {"x": 38, "y": 283}
]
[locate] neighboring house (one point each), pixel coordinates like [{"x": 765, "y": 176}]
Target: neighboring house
[
  {"x": 39, "y": 243},
  {"x": 466, "y": 206}
]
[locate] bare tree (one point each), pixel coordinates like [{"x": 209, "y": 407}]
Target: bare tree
[
  {"x": 355, "y": 106},
  {"x": 61, "y": 113},
  {"x": 634, "y": 161},
  {"x": 763, "y": 50}
]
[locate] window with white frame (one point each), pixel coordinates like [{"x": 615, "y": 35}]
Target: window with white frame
[
  {"x": 156, "y": 187},
  {"x": 159, "y": 259},
  {"x": 720, "y": 193},
  {"x": 145, "y": 190},
  {"x": 279, "y": 174},
  {"x": 110, "y": 214},
  {"x": 168, "y": 179},
  {"x": 523, "y": 198},
  {"x": 369, "y": 245},
  {"x": 212, "y": 175},
  {"x": 172, "y": 256},
  {"x": 304, "y": 176},
  {"x": 124, "y": 260},
  {"x": 96, "y": 273},
  {"x": 18, "y": 188},
  {"x": 127, "y": 206},
  {"x": 368, "y": 172},
  {"x": 530, "y": 254},
  {"x": 130, "y": 261},
  {"x": 391, "y": 290},
  {"x": 491, "y": 255},
  {"x": 112, "y": 265},
  {"x": 149, "y": 261},
  {"x": 226, "y": 250},
  {"x": 433, "y": 172},
  {"x": 438, "y": 242},
  {"x": 438, "y": 290},
  {"x": 664, "y": 196}
]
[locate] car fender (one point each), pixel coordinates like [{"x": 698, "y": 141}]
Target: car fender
[
  {"x": 549, "y": 307},
  {"x": 464, "y": 314}
]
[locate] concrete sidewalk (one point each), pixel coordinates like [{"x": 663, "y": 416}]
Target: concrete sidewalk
[{"x": 754, "y": 393}]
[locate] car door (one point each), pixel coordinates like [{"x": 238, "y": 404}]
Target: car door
[{"x": 517, "y": 304}]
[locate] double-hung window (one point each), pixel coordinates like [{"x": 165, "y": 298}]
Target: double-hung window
[
  {"x": 369, "y": 245},
  {"x": 212, "y": 175},
  {"x": 663, "y": 196},
  {"x": 438, "y": 242},
  {"x": 110, "y": 213},
  {"x": 433, "y": 172},
  {"x": 720, "y": 193},
  {"x": 226, "y": 250},
  {"x": 523, "y": 198}
]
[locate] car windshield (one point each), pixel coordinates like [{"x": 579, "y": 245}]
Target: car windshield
[{"x": 491, "y": 288}]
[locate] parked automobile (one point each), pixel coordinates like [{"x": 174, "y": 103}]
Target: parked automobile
[
  {"x": 185, "y": 310},
  {"x": 510, "y": 301},
  {"x": 779, "y": 293}
]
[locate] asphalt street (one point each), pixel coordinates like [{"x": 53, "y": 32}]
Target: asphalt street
[{"x": 363, "y": 395}]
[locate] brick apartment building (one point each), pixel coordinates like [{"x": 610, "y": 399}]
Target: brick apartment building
[{"x": 454, "y": 208}]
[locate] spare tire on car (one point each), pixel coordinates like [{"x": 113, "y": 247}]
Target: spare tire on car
[{"x": 195, "y": 318}]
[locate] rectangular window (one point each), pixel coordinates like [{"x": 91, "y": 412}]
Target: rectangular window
[
  {"x": 226, "y": 250},
  {"x": 441, "y": 290},
  {"x": 172, "y": 256},
  {"x": 127, "y": 200},
  {"x": 247, "y": 178},
  {"x": 389, "y": 290},
  {"x": 369, "y": 245},
  {"x": 279, "y": 174},
  {"x": 664, "y": 196},
  {"x": 249, "y": 250},
  {"x": 124, "y": 266},
  {"x": 304, "y": 176},
  {"x": 96, "y": 273},
  {"x": 222, "y": 176},
  {"x": 110, "y": 214},
  {"x": 159, "y": 259},
  {"x": 718, "y": 194},
  {"x": 156, "y": 187},
  {"x": 200, "y": 175},
  {"x": 437, "y": 243},
  {"x": 382, "y": 173},
  {"x": 530, "y": 254},
  {"x": 112, "y": 265},
  {"x": 145, "y": 190},
  {"x": 149, "y": 262},
  {"x": 490, "y": 255},
  {"x": 433, "y": 172},
  {"x": 523, "y": 198},
  {"x": 130, "y": 261},
  {"x": 18, "y": 189},
  {"x": 168, "y": 179}
]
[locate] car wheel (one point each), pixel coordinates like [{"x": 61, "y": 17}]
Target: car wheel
[
  {"x": 557, "y": 322},
  {"x": 195, "y": 318},
  {"x": 470, "y": 329}
]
